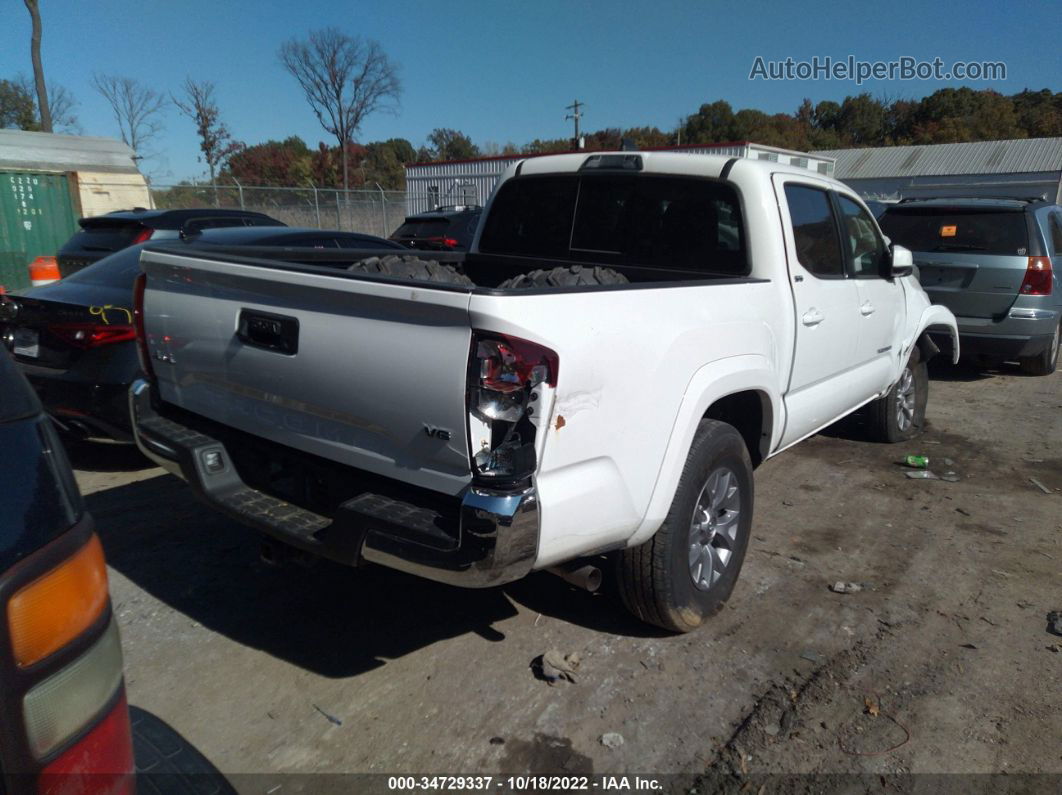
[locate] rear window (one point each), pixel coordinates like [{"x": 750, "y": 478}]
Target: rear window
[
  {"x": 661, "y": 222},
  {"x": 117, "y": 270},
  {"x": 432, "y": 227},
  {"x": 953, "y": 229},
  {"x": 106, "y": 236}
]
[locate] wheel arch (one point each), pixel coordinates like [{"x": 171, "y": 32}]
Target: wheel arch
[{"x": 738, "y": 390}]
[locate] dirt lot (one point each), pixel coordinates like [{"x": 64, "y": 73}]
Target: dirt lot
[{"x": 944, "y": 657}]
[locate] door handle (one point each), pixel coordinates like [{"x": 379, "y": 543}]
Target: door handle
[
  {"x": 866, "y": 309},
  {"x": 812, "y": 317}
]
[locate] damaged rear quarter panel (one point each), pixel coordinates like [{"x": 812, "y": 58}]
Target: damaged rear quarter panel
[{"x": 626, "y": 360}]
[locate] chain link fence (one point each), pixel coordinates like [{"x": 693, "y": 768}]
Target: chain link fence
[{"x": 374, "y": 212}]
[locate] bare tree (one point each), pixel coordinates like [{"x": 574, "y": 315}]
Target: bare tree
[
  {"x": 136, "y": 108},
  {"x": 61, "y": 105},
  {"x": 215, "y": 141},
  {"x": 345, "y": 79},
  {"x": 38, "y": 67}
]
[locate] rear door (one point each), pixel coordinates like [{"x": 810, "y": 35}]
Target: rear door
[
  {"x": 348, "y": 369},
  {"x": 826, "y": 303},
  {"x": 970, "y": 259}
]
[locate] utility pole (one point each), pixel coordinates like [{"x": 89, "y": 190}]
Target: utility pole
[{"x": 576, "y": 115}]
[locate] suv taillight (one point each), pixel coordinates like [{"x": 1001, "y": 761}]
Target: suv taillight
[
  {"x": 138, "y": 325},
  {"x": 1037, "y": 277},
  {"x": 143, "y": 235},
  {"x": 508, "y": 381}
]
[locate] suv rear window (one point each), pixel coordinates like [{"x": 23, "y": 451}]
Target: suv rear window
[
  {"x": 657, "y": 221},
  {"x": 957, "y": 229},
  {"x": 429, "y": 227},
  {"x": 103, "y": 236}
]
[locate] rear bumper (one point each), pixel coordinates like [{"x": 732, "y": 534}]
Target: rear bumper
[
  {"x": 103, "y": 409},
  {"x": 488, "y": 537},
  {"x": 1024, "y": 332}
]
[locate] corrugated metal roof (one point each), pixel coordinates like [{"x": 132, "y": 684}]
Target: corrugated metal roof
[
  {"x": 1018, "y": 156},
  {"x": 50, "y": 152}
]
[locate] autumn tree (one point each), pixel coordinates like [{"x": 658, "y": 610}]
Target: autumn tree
[
  {"x": 17, "y": 109},
  {"x": 447, "y": 144},
  {"x": 345, "y": 80},
  {"x": 136, "y": 107},
  {"x": 215, "y": 142}
]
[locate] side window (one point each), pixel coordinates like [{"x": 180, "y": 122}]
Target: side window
[
  {"x": 814, "y": 230},
  {"x": 866, "y": 249},
  {"x": 1056, "y": 233}
]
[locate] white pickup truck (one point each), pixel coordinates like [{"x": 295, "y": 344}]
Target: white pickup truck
[{"x": 628, "y": 337}]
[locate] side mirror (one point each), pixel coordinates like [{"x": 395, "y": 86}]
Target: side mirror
[{"x": 901, "y": 262}]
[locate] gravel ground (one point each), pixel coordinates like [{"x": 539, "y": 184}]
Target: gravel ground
[{"x": 942, "y": 663}]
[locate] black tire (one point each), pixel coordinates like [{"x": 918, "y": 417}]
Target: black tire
[
  {"x": 406, "y": 267},
  {"x": 571, "y": 276},
  {"x": 1047, "y": 361},
  {"x": 656, "y": 579},
  {"x": 883, "y": 417}
]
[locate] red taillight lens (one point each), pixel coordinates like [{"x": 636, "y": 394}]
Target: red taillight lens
[
  {"x": 142, "y": 235},
  {"x": 1038, "y": 277},
  {"x": 504, "y": 394},
  {"x": 100, "y": 762},
  {"x": 508, "y": 364},
  {"x": 138, "y": 325},
  {"x": 92, "y": 335}
]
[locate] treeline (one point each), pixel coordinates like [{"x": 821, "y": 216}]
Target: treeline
[{"x": 948, "y": 115}]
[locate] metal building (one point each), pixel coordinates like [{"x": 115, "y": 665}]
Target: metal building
[
  {"x": 1018, "y": 167},
  {"x": 458, "y": 182},
  {"x": 47, "y": 181}
]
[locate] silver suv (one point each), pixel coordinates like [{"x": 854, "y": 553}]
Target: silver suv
[{"x": 995, "y": 263}]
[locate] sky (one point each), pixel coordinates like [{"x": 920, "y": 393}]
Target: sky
[{"x": 504, "y": 71}]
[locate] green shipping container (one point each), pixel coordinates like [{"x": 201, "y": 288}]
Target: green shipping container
[{"x": 36, "y": 217}]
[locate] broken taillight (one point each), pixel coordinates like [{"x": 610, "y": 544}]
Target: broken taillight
[{"x": 507, "y": 375}]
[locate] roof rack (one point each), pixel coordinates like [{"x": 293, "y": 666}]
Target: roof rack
[{"x": 1026, "y": 199}]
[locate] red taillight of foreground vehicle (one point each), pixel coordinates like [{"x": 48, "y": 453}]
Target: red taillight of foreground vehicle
[
  {"x": 142, "y": 236},
  {"x": 138, "y": 326},
  {"x": 100, "y": 762},
  {"x": 507, "y": 376},
  {"x": 1038, "y": 277},
  {"x": 92, "y": 335}
]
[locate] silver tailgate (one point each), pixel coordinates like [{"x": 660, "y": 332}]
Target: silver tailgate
[{"x": 375, "y": 364}]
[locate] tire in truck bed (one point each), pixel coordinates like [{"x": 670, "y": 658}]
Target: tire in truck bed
[
  {"x": 405, "y": 267},
  {"x": 570, "y": 276}
]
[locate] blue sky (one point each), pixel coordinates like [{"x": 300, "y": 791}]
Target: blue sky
[{"x": 503, "y": 71}]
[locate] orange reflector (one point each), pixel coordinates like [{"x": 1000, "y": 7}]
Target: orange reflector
[
  {"x": 44, "y": 270},
  {"x": 949, "y": 231},
  {"x": 57, "y": 607}
]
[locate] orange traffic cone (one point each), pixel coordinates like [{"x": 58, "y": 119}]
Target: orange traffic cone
[{"x": 44, "y": 270}]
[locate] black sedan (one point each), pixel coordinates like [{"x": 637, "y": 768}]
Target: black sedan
[{"x": 74, "y": 339}]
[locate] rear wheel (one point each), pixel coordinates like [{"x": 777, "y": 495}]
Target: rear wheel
[
  {"x": 901, "y": 414},
  {"x": 571, "y": 276},
  {"x": 687, "y": 570},
  {"x": 1046, "y": 362},
  {"x": 405, "y": 267}
]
